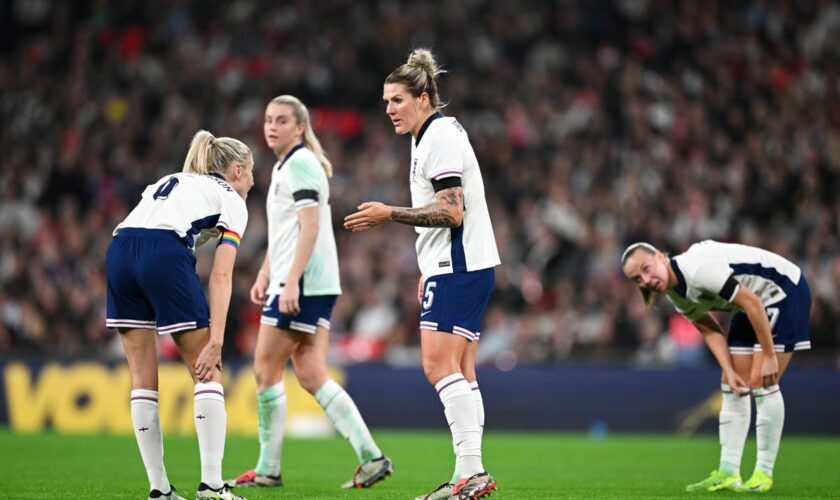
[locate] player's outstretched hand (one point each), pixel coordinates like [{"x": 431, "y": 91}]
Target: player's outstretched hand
[
  {"x": 370, "y": 214},
  {"x": 209, "y": 358}
]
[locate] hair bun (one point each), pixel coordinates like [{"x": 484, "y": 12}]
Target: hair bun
[{"x": 423, "y": 58}]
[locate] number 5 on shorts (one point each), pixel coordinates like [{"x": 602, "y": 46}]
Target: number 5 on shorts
[{"x": 429, "y": 295}]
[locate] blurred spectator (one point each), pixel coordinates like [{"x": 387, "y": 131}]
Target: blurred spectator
[{"x": 596, "y": 124}]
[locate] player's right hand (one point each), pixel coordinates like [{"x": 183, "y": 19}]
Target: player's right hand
[
  {"x": 769, "y": 370},
  {"x": 370, "y": 214},
  {"x": 737, "y": 384},
  {"x": 209, "y": 358},
  {"x": 258, "y": 289}
]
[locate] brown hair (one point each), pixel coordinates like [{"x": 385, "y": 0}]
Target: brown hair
[{"x": 419, "y": 74}]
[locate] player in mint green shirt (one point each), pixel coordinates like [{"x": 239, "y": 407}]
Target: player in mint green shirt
[{"x": 297, "y": 287}]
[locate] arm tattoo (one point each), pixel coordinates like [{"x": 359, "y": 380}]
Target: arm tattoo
[{"x": 446, "y": 211}]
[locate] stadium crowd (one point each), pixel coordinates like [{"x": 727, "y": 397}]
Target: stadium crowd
[{"x": 596, "y": 124}]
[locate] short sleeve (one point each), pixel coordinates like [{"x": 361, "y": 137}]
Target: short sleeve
[
  {"x": 232, "y": 220},
  {"x": 716, "y": 277},
  {"x": 445, "y": 158},
  {"x": 304, "y": 182}
]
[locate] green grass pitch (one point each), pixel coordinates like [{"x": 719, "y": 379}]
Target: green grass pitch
[{"x": 526, "y": 466}]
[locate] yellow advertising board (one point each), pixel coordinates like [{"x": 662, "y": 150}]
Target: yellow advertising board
[{"x": 94, "y": 398}]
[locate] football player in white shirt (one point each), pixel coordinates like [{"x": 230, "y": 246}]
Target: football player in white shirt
[
  {"x": 152, "y": 285},
  {"x": 770, "y": 301},
  {"x": 456, "y": 251},
  {"x": 297, "y": 287}
]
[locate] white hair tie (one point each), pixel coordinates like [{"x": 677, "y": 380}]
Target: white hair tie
[{"x": 641, "y": 244}]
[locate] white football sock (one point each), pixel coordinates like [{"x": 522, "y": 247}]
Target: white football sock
[
  {"x": 342, "y": 412},
  {"x": 733, "y": 427},
  {"x": 272, "y": 406},
  {"x": 769, "y": 421},
  {"x": 459, "y": 406},
  {"x": 146, "y": 419},
  {"x": 479, "y": 401},
  {"x": 210, "y": 426}
]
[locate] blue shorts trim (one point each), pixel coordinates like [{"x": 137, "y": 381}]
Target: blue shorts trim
[
  {"x": 315, "y": 311},
  {"x": 789, "y": 320},
  {"x": 456, "y": 302},
  {"x": 152, "y": 283}
]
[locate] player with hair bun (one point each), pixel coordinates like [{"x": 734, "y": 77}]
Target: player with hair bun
[
  {"x": 456, "y": 251},
  {"x": 152, "y": 286},
  {"x": 770, "y": 301}
]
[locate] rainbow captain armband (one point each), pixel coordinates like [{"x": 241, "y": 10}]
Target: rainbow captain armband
[{"x": 230, "y": 238}]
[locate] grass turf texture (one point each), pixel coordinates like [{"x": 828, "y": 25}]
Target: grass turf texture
[{"x": 526, "y": 465}]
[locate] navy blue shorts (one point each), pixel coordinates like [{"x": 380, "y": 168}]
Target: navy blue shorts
[
  {"x": 315, "y": 311},
  {"x": 456, "y": 302},
  {"x": 152, "y": 283},
  {"x": 789, "y": 323}
]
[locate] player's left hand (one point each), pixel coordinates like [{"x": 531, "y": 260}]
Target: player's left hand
[
  {"x": 769, "y": 369},
  {"x": 209, "y": 358},
  {"x": 370, "y": 214},
  {"x": 289, "y": 299}
]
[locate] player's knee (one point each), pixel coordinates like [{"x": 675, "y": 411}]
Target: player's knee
[
  {"x": 265, "y": 373},
  {"x": 311, "y": 379},
  {"x": 146, "y": 378},
  {"x": 431, "y": 374},
  {"x": 435, "y": 370}
]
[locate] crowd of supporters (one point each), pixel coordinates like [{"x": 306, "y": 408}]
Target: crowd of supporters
[{"x": 596, "y": 124}]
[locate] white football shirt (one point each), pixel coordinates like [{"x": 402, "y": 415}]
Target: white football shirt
[
  {"x": 297, "y": 182},
  {"x": 440, "y": 151},
  {"x": 704, "y": 273},
  {"x": 189, "y": 203}
]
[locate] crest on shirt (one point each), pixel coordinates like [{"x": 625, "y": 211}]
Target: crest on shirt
[{"x": 413, "y": 169}]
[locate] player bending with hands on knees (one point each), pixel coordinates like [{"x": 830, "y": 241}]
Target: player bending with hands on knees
[
  {"x": 297, "y": 287},
  {"x": 456, "y": 251},
  {"x": 152, "y": 285},
  {"x": 771, "y": 302}
]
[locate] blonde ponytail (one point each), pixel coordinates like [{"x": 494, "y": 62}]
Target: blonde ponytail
[
  {"x": 310, "y": 141},
  {"x": 198, "y": 156},
  {"x": 208, "y": 154}
]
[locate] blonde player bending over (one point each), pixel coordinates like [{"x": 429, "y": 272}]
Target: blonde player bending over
[
  {"x": 152, "y": 285},
  {"x": 770, "y": 301}
]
